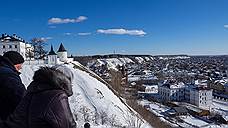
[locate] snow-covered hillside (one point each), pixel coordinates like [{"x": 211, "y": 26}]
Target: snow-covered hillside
[
  {"x": 113, "y": 62},
  {"x": 93, "y": 101},
  {"x": 110, "y": 62}
]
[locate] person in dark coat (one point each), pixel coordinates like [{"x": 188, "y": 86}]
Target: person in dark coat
[
  {"x": 45, "y": 104},
  {"x": 12, "y": 89}
]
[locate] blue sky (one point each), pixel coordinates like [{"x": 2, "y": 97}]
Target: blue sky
[{"x": 88, "y": 27}]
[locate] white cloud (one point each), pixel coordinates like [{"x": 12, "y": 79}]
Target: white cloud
[
  {"x": 49, "y": 38},
  {"x": 67, "y": 34},
  {"x": 67, "y": 20},
  {"x": 84, "y": 33},
  {"x": 226, "y": 26},
  {"x": 81, "y": 18},
  {"x": 122, "y": 32},
  {"x": 52, "y": 26},
  {"x": 45, "y": 38}
]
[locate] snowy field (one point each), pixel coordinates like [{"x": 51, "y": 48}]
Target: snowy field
[{"x": 93, "y": 101}]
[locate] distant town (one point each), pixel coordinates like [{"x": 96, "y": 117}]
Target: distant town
[{"x": 188, "y": 91}]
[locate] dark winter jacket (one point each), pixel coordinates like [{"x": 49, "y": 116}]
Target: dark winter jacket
[
  {"x": 11, "y": 88},
  {"x": 45, "y": 104}
]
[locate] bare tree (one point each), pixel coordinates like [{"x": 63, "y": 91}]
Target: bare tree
[
  {"x": 116, "y": 78},
  {"x": 38, "y": 45},
  {"x": 96, "y": 118},
  {"x": 85, "y": 113},
  {"x": 132, "y": 120},
  {"x": 75, "y": 114},
  {"x": 112, "y": 120},
  {"x": 104, "y": 117},
  {"x": 29, "y": 53}
]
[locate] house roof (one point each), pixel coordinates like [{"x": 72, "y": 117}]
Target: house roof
[
  {"x": 172, "y": 86},
  {"x": 202, "y": 88},
  {"x": 180, "y": 109},
  {"x": 52, "y": 52},
  {"x": 6, "y": 37},
  {"x": 61, "y": 48}
]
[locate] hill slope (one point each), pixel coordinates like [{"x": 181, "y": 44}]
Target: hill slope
[{"x": 92, "y": 100}]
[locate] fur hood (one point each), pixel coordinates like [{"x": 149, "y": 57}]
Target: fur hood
[{"x": 47, "y": 78}]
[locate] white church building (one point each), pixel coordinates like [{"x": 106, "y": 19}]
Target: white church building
[
  {"x": 52, "y": 57},
  {"x": 60, "y": 57},
  {"x": 62, "y": 53},
  {"x": 14, "y": 43}
]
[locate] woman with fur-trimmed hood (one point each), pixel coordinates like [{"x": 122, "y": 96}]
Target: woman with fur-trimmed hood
[{"x": 45, "y": 104}]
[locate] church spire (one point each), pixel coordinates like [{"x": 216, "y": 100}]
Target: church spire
[
  {"x": 52, "y": 52},
  {"x": 61, "y": 48}
]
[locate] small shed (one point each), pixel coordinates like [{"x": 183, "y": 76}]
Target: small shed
[
  {"x": 180, "y": 111},
  {"x": 177, "y": 111}
]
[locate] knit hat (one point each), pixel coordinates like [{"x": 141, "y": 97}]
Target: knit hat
[
  {"x": 14, "y": 57},
  {"x": 70, "y": 76},
  {"x": 66, "y": 71}
]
